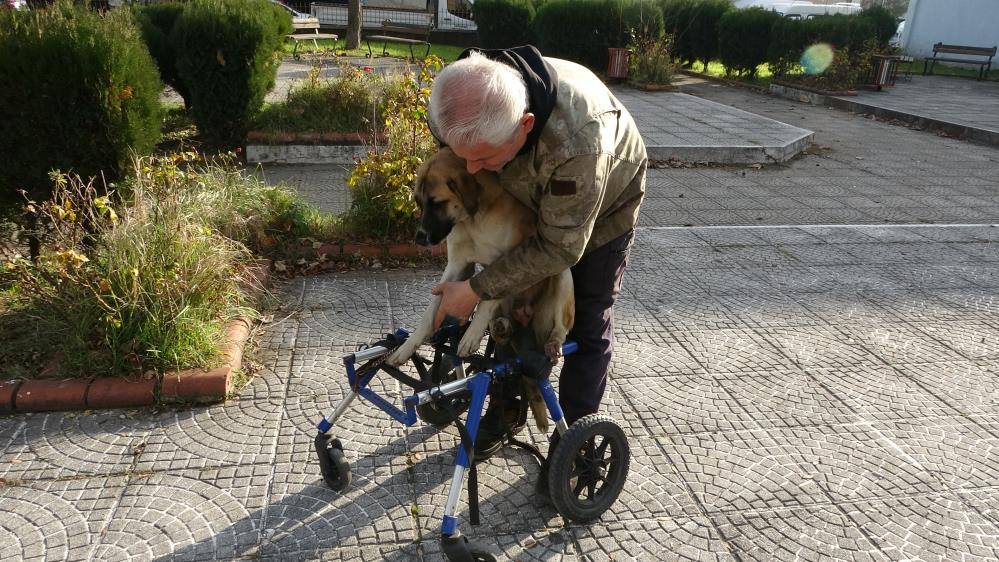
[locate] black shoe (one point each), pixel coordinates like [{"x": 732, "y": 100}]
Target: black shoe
[{"x": 503, "y": 417}]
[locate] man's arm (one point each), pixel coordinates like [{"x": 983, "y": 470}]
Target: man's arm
[{"x": 567, "y": 212}]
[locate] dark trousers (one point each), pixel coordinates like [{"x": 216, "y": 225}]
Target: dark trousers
[{"x": 596, "y": 283}]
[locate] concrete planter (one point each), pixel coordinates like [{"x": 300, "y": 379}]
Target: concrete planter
[
  {"x": 647, "y": 87},
  {"x": 307, "y": 148},
  {"x": 805, "y": 94}
]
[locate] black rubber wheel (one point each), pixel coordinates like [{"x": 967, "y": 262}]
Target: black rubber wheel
[
  {"x": 432, "y": 412},
  {"x": 336, "y": 473},
  {"x": 479, "y": 554},
  {"x": 588, "y": 468}
]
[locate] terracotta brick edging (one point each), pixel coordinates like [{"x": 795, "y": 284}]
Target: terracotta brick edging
[
  {"x": 397, "y": 249},
  {"x": 191, "y": 385}
]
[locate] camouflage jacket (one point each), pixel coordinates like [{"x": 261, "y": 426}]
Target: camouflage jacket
[{"x": 585, "y": 177}]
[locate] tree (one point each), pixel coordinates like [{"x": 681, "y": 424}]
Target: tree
[
  {"x": 353, "y": 24},
  {"x": 896, "y": 7}
]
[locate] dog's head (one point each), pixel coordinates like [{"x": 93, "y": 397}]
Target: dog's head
[{"x": 446, "y": 193}]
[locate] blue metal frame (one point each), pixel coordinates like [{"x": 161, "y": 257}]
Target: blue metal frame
[{"x": 478, "y": 384}]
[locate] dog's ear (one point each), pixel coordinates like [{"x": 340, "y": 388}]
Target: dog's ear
[{"x": 466, "y": 189}]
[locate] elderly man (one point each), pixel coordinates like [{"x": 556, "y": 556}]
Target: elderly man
[{"x": 566, "y": 147}]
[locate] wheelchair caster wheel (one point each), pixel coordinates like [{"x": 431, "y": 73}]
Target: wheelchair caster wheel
[
  {"x": 332, "y": 464},
  {"x": 458, "y": 549},
  {"x": 588, "y": 468}
]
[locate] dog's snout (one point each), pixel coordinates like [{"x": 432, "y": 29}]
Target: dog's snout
[{"x": 422, "y": 238}]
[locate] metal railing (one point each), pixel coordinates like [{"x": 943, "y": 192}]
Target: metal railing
[{"x": 439, "y": 14}]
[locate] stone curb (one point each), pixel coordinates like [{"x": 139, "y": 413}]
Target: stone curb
[
  {"x": 192, "y": 385},
  {"x": 957, "y": 130},
  {"x": 735, "y": 83}
]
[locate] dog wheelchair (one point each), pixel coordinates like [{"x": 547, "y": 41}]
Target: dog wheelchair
[{"x": 587, "y": 467}]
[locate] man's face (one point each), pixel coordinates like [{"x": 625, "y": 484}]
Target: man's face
[{"x": 484, "y": 156}]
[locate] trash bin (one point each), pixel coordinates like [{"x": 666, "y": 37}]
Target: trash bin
[
  {"x": 884, "y": 69},
  {"x": 617, "y": 62}
]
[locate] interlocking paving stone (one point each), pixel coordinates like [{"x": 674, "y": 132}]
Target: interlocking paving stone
[
  {"x": 855, "y": 461},
  {"x": 240, "y": 432},
  {"x": 785, "y": 398},
  {"x": 745, "y": 470},
  {"x": 651, "y": 354},
  {"x": 974, "y": 340},
  {"x": 961, "y": 452},
  {"x": 823, "y": 532},
  {"x": 187, "y": 515},
  {"x": 879, "y": 392},
  {"x": 543, "y": 544},
  {"x": 768, "y": 405},
  {"x": 732, "y": 350},
  {"x": 666, "y": 539},
  {"x": 55, "y": 519},
  {"x": 966, "y": 386},
  {"x": 898, "y": 343},
  {"x": 933, "y": 527},
  {"x": 691, "y": 404},
  {"x": 69, "y": 444}
]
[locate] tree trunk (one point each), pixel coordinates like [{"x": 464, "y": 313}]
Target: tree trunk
[{"x": 353, "y": 39}]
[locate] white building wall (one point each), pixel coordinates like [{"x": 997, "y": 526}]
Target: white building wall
[{"x": 956, "y": 22}]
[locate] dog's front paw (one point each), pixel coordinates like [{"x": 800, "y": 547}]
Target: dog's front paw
[
  {"x": 553, "y": 349},
  {"x": 469, "y": 343},
  {"x": 401, "y": 354}
]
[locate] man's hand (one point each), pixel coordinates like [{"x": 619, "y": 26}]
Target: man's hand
[{"x": 457, "y": 299}]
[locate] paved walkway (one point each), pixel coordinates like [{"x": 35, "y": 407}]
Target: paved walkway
[
  {"x": 859, "y": 171},
  {"x": 789, "y": 392},
  {"x": 946, "y": 99}
]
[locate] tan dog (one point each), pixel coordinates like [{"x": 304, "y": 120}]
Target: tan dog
[{"x": 481, "y": 222}]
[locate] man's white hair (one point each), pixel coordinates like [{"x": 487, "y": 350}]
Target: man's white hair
[{"x": 477, "y": 100}]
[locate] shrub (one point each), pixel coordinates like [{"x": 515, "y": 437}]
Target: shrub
[
  {"x": 607, "y": 23},
  {"x": 788, "y": 40},
  {"x": 744, "y": 38},
  {"x": 382, "y": 204},
  {"x": 651, "y": 61},
  {"x": 158, "y": 286},
  {"x": 504, "y": 23},
  {"x": 884, "y": 23},
  {"x": 156, "y": 24},
  {"x": 227, "y": 55},
  {"x": 694, "y": 23},
  {"x": 344, "y": 103},
  {"x": 79, "y": 93},
  {"x": 853, "y": 35}
]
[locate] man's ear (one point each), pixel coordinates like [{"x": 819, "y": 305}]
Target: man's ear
[
  {"x": 527, "y": 122},
  {"x": 466, "y": 189}
]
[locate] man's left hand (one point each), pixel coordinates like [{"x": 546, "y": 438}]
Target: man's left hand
[{"x": 457, "y": 299}]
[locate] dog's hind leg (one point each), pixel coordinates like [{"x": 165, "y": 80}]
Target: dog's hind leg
[
  {"x": 558, "y": 316},
  {"x": 454, "y": 271}
]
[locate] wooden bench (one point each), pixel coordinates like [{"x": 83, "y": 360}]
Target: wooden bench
[
  {"x": 983, "y": 65},
  {"x": 396, "y": 29},
  {"x": 302, "y": 33}
]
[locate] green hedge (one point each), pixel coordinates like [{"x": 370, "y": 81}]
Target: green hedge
[
  {"x": 744, "y": 38},
  {"x": 583, "y": 30},
  {"x": 884, "y": 23},
  {"x": 79, "y": 93},
  {"x": 694, "y": 25},
  {"x": 504, "y": 23},
  {"x": 790, "y": 38},
  {"x": 228, "y": 55},
  {"x": 156, "y": 23}
]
